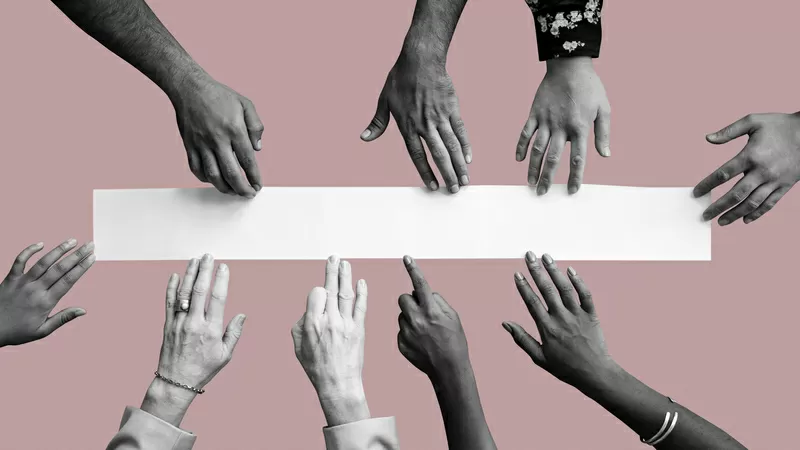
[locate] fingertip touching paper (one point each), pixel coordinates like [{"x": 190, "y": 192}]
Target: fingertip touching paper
[{"x": 611, "y": 223}]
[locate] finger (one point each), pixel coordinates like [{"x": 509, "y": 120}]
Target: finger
[
  {"x": 212, "y": 171},
  {"x": 418, "y": 281},
  {"x": 525, "y": 138},
  {"x": 49, "y": 259},
  {"x": 736, "y": 195},
  {"x": 453, "y": 146},
  {"x": 565, "y": 289},
  {"x": 767, "y": 205},
  {"x": 231, "y": 172},
  {"x": 185, "y": 291},
  {"x": 538, "y": 149},
  {"x": 585, "y": 296},
  {"x": 748, "y": 205},
  {"x": 720, "y": 176},
  {"x": 219, "y": 295},
  {"x": 332, "y": 286},
  {"x": 246, "y": 158},
  {"x": 542, "y": 280},
  {"x": 195, "y": 164},
  {"x": 526, "y": 342},
  {"x": 460, "y": 131},
  {"x": 408, "y": 305},
  {"x": 417, "y": 153},
  {"x": 18, "y": 267},
  {"x": 346, "y": 295},
  {"x": 403, "y": 324},
  {"x": 577, "y": 162},
  {"x": 233, "y": 332},
  {"x": 360, "y": 307},
  {"x": 58, "y": 320},
  {"x": 442, "y": 159},
  {"x": 535, "y": 306},
  {"x": 379, "y": 121},
  {"x": 557, "y": 143},
  {"x": 172, "y": 297},
  {"x": 65, "y": 283},
  {"x": 255, "y": 129},
  {"x": 315, "y": 302},
  {"x": 739, "y": 128},
  {"x": 61, "y": 268},
  {"x": 197, "y": 307},
  {"x": 602, "y": 132}
]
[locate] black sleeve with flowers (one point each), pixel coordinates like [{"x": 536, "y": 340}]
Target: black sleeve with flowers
[{"x": 567, "y": 27}]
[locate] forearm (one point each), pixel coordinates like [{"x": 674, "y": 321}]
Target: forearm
[
  {"x": 344, "y": 404},
  {"x": 432, "y": 28},
  {"x": 167, "y": 402},
  {"x": 464, "y": 421},
  {"x": 131, "y": 30},
  {"x": 567, "y": 28},
  {"x": 643, "y": 410}
]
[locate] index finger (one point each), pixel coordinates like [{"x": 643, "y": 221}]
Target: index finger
[
  {"x": 247, "y": 159},
  {"x": 231, "y": 172},
  {"x": 720, "y": 176},
  {"x": 332, "y": 286},
  {"x": 215, "y": 312},
  {"x": 418, "y": 280}
]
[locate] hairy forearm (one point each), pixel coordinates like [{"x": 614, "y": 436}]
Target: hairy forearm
[
  {"x": 432, "y": 28},
  {"x": 131, "y": 30},
  {"x": 643, "y": 409},
  {"x": 464, "y": 421}
]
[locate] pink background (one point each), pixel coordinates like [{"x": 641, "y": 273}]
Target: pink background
[{"x": 718, "y": 337}]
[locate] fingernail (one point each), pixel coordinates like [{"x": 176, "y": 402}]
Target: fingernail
[
  {"x": 541, "y": 190},
  {"x": 531, "y": 181},
  {"x": 518, "y": 276},
  {"x": 507, "y": 326},
  {"x": 40, "y": 244},
  {"x": 468, "y": 159},
  {"x": 91, "y": 258},
  {"x": 90, "y": 246},
  {"x": 365, "y": 134},
  {"x": 345, "y": 267},
  {"x": 724, "y": 222},
  {"x": 706, "y": 216},
  {"x": 464, "y": 180},
  {"x": 80, "y": 312},
  {"x": 333, "y": 258},
  {"x": 361, "y": 284},
  {"x": 257, "y": 187},
  {"x": 223, "y": 267},
  {"x": 747, "y": 220},
  {"x": 572, "y": 189},
  {"x": 207, "y": 257},
  {"x": 606, "y": 151},
  {"x": 519, "y": 157},
  {"x": 547, "y": 259},
  {"x": 258, "y": 145},
  {"x": 434, "y": 185},
  {"x": 530, "y": 257},
  {"x": 454, "y": 189},
  {"x": 711, "y": 135},
  {"x": 407, "y": 260},
  {"x": 242, "y": 319},
  {"x": 571, "y": 271},
  {"x": 72, "y": 242}
]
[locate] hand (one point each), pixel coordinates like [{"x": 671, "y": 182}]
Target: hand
[
  {"x": 194, "y": 349},
  {"x": 573, "y": 348},
  {"x": 27, "y": 298},
  {"x": 770, "y": 163},
  {"x": 420, "y": 95},
  {"x": 220, "y": 130},
  {"x": 329, "y": 343},
  {"x": 570, "y": 97},
  {"x": 431, "y": 337}
]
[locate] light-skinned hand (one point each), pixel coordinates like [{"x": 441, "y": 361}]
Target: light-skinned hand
[
  {"x": 28, "y": 298},
  {"x": 221, "y": 132},
  {"x": 329, "y": 343},
  {"x": 770, "y": 163},
  {"x": 572, "y": 346},
  {"x": 570, "y": 101}
]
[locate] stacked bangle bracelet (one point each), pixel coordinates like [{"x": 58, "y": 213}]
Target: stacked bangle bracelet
[
  {"x": 665, "y": 430},
  {"x": 181, "y": 385}
]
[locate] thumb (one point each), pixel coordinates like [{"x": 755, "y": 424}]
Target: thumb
[
  {"x": 297, "y": 335},
  {"x": 253, "y": 123},
  {"x": 526, "y": 342},
  {"x": 379, "y": 122},
  {"x": 739, "y": 128},
  {"x": 602, "y": 132},
  {"x": 60, "y": 319},
  {"x": 233, "y": 332}
]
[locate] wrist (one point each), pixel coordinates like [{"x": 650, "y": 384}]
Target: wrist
[
  {"x": 185, "y": 82},
  {"x": 451, "y": 376},
  {"x": 421, "y": 50},
  {"x": 344, "y": 406},
  {"x": 606, "y": 378},
  {"x": 569, "y": 64},
  {"x": 167, "y": 402}
]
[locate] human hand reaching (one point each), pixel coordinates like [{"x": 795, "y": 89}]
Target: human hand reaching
[
  {"x": 770, "y": 162},
  {"x": 571, "y": 99},
  {"x": 28, "y": 298},
  {"x": 329, "y": 343}
]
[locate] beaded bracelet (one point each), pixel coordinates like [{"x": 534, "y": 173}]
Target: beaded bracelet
[{"x": 181, "y": 385}]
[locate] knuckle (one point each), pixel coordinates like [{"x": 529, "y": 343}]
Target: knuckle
[
  {"x": 753, "y": 203},
  {"x": 198, "y": 290},
  {"x": 184, "y": 295},
  {"x": 537, "y": 148},
  {"x": 61, "y": 267},
  {"x": 218, "y": 297},
  {"x": 721, "y": 175},
  {"x": 552, "y": 157},
  {"x": 577, "y": 161},
  {"x": 258, "y": 127},
  {"x": 417, "y": 155},
  {"x": 738, "y": 196}
]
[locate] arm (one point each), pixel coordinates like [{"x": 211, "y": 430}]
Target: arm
[
  {"x": 140, "y": 430},
  {"x": 573, "y": 349},
  {"x": 219, "y": 127},
  {"x": 432, "y": 28},
  {"x": 567, "y": 28},
  {"x": 432, "y": 339}
]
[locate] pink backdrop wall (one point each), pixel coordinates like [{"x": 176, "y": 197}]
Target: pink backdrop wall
[{"x": 719, "y": 336}]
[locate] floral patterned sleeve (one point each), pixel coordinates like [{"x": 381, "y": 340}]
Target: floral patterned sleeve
[{"x": 567, "y": 27}]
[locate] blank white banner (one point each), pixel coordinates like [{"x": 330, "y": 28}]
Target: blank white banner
[{"x": 609, "y": 223}]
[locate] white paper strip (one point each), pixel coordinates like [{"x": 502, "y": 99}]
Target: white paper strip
[{"x": 489, "y": 222}]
